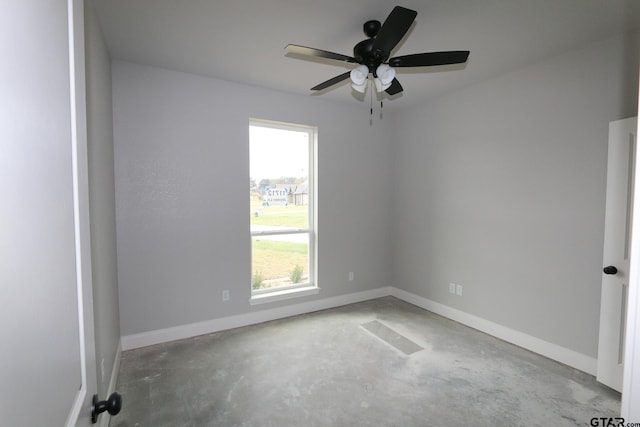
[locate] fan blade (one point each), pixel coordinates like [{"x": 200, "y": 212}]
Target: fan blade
[
  {"x": 333, "y": 81},
  {"x": 395, "y": 87},
  {"x": 318, "y": 53},
  {"x": 393, "y": 30},
  {"x": 428, "y": 59}
]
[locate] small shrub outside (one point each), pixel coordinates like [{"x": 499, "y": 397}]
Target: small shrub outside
[{"x": 296, "y": 274}]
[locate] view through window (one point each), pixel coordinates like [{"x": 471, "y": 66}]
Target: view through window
[{"x": 281, "y": 203}]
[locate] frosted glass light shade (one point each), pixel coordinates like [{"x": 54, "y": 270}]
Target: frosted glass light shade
[
  {"x": 386, "y": 74},
  {"x": 360, "y": 88},
  {"x": 359, "y": 75},
  {"x": 380, "y": 86}
]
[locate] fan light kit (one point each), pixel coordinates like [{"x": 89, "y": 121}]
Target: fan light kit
[
  {"x": 360, "y": 75},
  {"x": 372, "y": 55}
]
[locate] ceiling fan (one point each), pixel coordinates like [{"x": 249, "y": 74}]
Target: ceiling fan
[{"x": 373, "y": 55}]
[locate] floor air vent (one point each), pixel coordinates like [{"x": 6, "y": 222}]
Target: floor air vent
[{"x": 391, "y": 337}]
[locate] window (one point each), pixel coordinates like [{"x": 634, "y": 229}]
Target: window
[{"x": 281, "y": 194}]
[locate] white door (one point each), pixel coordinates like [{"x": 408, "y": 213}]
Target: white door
[
  {"x": 47, "y": 359},
  {"x": 615, "y": 276}
]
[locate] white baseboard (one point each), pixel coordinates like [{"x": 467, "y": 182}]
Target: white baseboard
[
  {"x": 552, "y": 351},
  {"x": 200, "y": 328},
  {"x": 104, "y": 419},
  {"x": 560, "y": 354}
]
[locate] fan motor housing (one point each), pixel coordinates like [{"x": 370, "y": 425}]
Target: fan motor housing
[{"x": 366, "y": 54}]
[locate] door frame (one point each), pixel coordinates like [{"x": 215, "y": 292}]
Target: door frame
[
  {"x": 631, "y": 381},
  {"x": 80, "y": 414}
]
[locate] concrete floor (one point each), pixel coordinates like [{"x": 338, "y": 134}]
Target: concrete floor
[{"x": 378, "y": 363}]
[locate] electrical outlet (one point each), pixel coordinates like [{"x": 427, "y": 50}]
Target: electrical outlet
[
  {"x": 351, "y": 276},
  {"x": 225, "y": 295},
  {"x": 459, "y": 290},
  {"x": 452, "y": 288}
]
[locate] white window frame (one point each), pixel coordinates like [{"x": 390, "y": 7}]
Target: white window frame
[{"x": 260, "y": 296}]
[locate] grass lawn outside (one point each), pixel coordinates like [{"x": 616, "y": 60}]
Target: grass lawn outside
[
  {"x": 294, "y": 216},
  {"x": 273, "y": 262}
]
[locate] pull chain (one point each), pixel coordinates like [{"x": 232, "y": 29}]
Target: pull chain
[
  {"x": 371, "y": 104},
  {"x": 371, "y": 107}
]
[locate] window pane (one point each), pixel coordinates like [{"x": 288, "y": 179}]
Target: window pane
[
  {"x": 279, "y": 181},
  {"x": 279, "y": 260},
  {"x": 281, "y": 205}
]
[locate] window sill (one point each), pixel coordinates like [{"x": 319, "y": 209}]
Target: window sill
[{"x": 283, "y": 295}]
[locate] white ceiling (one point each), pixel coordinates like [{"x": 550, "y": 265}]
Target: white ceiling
[{"x": 244, "y": 40}]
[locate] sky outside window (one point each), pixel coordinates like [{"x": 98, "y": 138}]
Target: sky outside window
[{"x": 277, "y": 153}]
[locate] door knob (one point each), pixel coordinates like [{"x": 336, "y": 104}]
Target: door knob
[
  {"x": 610, "y": 269},
  {"x": 112, "y": 405}
]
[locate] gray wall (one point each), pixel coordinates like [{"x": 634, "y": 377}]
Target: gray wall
[
  {"x": 101, "y": 199},
  {"x": 182, "y": 169},
  {"x": 500, "y": 187}
]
